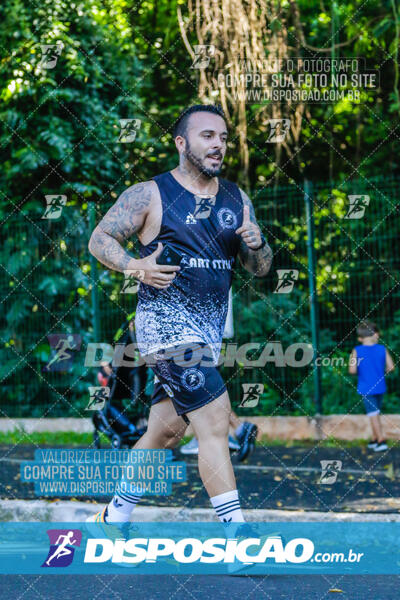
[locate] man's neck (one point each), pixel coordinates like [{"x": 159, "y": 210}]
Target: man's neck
[{"x": 193, "y": 180}]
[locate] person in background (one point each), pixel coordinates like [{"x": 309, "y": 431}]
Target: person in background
[{"x": 370, "y": 361}]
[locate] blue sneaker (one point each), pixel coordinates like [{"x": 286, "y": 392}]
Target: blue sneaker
[
  {"x": 247, "y": 440},
  {"x": 98, "y": 526},
  {"x": 241, "y": 531},
  {"x": 233, "y": 444}
]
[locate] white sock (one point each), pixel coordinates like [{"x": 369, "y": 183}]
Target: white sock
[
  {"x": 227, "y": 507},
  {"x": 120, "y": 508}
]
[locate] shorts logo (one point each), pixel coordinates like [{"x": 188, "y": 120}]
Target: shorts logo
[
  {"x": 227, "y": 218},
  {"x": 168, "y": 390},
  {"x": 192, "y": 379}
]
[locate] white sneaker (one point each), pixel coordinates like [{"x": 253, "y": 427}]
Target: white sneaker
[
  {"x": 192, "y": 447},
  {"x": 381, "y": 446}
]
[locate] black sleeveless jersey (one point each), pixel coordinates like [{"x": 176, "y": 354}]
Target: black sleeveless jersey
[{"x": 202, "y": 230}]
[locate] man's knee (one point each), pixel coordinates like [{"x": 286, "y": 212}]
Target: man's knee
[
  {"x": 212, "y": 420},
  {"x": 167, "y": 434},
  {"x": 215, "y": 429},
  {"x": 170, "y": 439}
]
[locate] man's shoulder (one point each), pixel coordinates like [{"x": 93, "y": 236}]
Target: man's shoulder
[
  {"x": 140, "y": 186},
  {"x": 141, "y": 191},
  {"x": 227, "y": 181},
  {"x": 231, "y": 186}
]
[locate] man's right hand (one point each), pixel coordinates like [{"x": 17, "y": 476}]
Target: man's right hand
[{"x": 158, "y": 276}]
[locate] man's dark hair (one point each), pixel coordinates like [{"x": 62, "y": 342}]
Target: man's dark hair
[
  {"x": 366, "y": 329},
  {"x": 180, "y": 126}
]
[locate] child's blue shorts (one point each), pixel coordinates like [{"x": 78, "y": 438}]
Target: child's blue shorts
[{"x": 373, "y": 403}]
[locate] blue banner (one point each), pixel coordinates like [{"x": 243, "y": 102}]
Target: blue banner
[{"x": 200, "y": 548}]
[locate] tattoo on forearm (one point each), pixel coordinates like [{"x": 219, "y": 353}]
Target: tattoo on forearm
[
  {"x": 123, "y": 220},
  {"x": 257, "y": 262},
  {"x": 109, "y": 251}
]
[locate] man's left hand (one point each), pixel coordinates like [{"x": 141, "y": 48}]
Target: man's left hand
[{"x": 249, "y": 231}]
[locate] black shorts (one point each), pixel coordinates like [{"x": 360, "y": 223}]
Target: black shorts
[{"x": 191, "y": 386}]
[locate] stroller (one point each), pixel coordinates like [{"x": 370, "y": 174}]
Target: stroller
[{"x": 123, "y": 427}]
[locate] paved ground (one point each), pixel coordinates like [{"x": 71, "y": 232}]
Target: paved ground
[
  {"x": 161, "y": 587},
  {"x": 275, "y": 478}
]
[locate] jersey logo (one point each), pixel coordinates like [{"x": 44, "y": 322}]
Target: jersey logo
[
  {"x": 192, "y": 379},
  {"x": 227, "y": 218},
  {"x": 203, "y": 208}
]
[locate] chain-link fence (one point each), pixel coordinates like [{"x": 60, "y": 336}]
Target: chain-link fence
[{"x": 50, "y": 287}]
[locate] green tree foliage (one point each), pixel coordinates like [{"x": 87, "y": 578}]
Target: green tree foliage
[{"x": 59, "y": 135}]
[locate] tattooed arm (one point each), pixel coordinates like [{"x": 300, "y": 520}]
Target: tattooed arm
[
  {"x": 255, "y": 261},
  {"x": 125, "y": 218}
]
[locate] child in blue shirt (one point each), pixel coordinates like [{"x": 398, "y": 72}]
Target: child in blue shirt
[{"x": 370, "y": 361}]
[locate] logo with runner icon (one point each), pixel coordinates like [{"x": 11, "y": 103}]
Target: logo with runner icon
[
  {"x": 62, "y": 542},
  {"x": 357, "y": 206},
  {"x": 251, "y": 394},
  {"x": 227, "y": 218},
  {"x": 55, "y": 205},
  {"x": 330, "y": 469},
  {"x": 63, "y": 346},
  {"x": 192, "y": 379},
  {"x": 204, "y": 204},
  {"x": 286, "y": 280}
]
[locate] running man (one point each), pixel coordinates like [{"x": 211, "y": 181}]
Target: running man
[
  {"x": 186, "y": 306},
  {"x": 62, "y": 549},
  {"x": 63, "y": 346}
]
